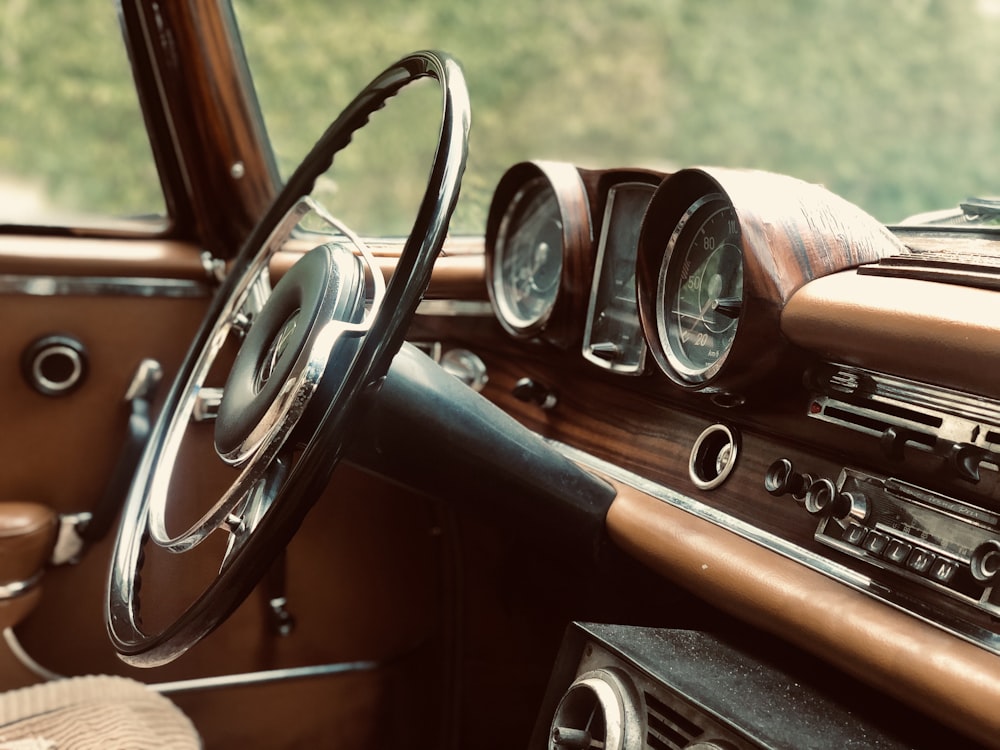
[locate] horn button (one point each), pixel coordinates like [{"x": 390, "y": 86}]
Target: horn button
[
  {"x": 277, "y": 348},
  {"x": 293, "y": 348}
]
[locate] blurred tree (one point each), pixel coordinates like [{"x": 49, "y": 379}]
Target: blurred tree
[{"x": 888, "y": 103}]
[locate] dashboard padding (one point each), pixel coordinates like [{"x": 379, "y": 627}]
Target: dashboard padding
[
  {"x": 947, "y": 678},
  {"x": 924, "y": 330}
]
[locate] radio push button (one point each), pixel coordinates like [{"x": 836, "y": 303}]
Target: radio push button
[
  {"x": 943, "y": 571},
  {"x": 875, "y": 542},
  {"x": 897, "y": 552},
  {"x": 920, "y": 561},
  {"x": 854, "y": 533}
]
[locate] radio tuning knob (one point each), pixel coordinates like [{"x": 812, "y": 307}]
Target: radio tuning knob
[
  {"x": 782, "y": 479},
  {"x": 823, "y": 499},
  {"x": 985, "y": 562},
  {"x": 850, "y": 505},
  {"x": 820, "y": 497}
]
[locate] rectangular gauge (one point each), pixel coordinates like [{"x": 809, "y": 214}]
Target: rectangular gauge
[{"x": 613, "y": 336}]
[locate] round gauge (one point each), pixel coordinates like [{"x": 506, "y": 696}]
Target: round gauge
[
  {"x": 699, "y": 292},
  {"x": 527, "y": 261}
]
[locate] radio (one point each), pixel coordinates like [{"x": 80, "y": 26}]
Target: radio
[{"x": 935, "y": 540}]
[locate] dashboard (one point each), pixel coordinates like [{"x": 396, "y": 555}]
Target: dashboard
[{"x": 753, "y": 355}]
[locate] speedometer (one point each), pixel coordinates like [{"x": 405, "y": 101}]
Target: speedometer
[
  {"x": 699, "y": 291},
  {"x": 720, "y": 254}
]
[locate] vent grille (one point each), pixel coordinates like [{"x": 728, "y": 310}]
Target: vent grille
[
  {"x": 965, "y": 267},
  {"x": 666, "y": 728}
]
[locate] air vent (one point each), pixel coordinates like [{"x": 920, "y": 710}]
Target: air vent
[
  {"x": 976, "y": 269},
  {"x": 599, "y": 710},
  {"x": 865, "y": 420},
  {"x": 922, "y": 403},
  {"x": 903, "y": 413},
  {"x": 666, "y": 728}
]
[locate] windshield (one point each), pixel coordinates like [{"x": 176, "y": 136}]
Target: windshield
[{"x": 890, "y": 104}]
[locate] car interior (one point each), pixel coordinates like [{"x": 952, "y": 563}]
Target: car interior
[{"x": 642, "y": 454}]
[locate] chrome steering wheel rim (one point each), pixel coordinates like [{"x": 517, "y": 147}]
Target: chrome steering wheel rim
[{"x": 378, "y": 338}]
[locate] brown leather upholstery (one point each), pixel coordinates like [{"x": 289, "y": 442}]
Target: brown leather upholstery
[
  {"x": 954, "y": 681},
  {"x": 27, "y": 535},
  {"x": 892, "y": 325}
]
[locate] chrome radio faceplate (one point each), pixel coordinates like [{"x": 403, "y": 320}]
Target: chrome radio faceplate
[{"x": 924, "y": 536}]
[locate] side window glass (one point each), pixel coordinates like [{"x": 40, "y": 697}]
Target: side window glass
[{"x": 73, "y": 145}]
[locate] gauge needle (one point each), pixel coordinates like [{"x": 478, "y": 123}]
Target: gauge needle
[
  {"x": 729, "y": 306},
  {"x": 714, "y": 288}
]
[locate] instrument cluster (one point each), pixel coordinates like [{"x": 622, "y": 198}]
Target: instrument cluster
[{"x": 680, "y": 275}]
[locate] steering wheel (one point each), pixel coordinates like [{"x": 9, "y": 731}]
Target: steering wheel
[{"x": 311, "y": 347}]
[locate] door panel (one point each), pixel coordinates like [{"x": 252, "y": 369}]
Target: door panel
[{"x": 362, "y": 576}]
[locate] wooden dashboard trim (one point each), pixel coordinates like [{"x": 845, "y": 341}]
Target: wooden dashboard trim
[
  {"x": 954, "y": 681},
  {"x": 924, "y": 330}
]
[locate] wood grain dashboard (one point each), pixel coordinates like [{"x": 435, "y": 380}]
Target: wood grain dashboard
[
  {"x": 751, "y": 554},
  {"x": 760, "y": 555}
]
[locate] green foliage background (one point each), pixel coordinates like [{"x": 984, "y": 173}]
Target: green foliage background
[
  {"x": 70, "y": 126},
  {"x": 891, "y": 103}
]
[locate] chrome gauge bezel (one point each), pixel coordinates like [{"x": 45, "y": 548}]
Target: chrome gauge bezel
[
  {"x": 567, "y": 208},
  {"x": 670, "y": 269},
  {"x": 671, "y": 353},
  {"x": 613, "y": 306},
  {"x": 500, "y": 281}
]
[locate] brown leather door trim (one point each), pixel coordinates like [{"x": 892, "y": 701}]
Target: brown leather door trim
[
  {"x": 457, "y": 275},
  {"x": 61, "y": 256}
]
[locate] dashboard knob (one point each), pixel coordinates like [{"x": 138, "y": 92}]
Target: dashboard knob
[
  {"x": 782, "y": 479},
  {"x": 532, "y": 392},
  {"x": 894, "y": 440},
  {"x": 850, "y": 505},
  {"x": 823, "y": 499},
  {"x": 820, "y": 497},
  {"x": 985, "y": 562},
  {"x": 964, "y": 460},
  {"x": 467, "y": 367}
]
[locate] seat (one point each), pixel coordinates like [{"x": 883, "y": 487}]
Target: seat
[
  {"x": 72, "y": 713},
  {"x": 99, "y": 712}
]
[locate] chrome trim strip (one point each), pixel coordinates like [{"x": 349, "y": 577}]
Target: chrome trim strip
[
  {"x": 61, "y": 286},
  {"x": 455, "y": 308},
  {"x": 719, "y": 518},
  {"x": 967, "y": 631},
  {"x": 15, "y": 589},
  {"x": 944, "y": 402},
  {"x": 204, "y": 683},
  {"x": 263, "y": 677}
]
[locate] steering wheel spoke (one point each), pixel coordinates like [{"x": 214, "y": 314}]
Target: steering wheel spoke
[
  {"x": 308, "y": 348},
  {"x": 244, "y": 519}
]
